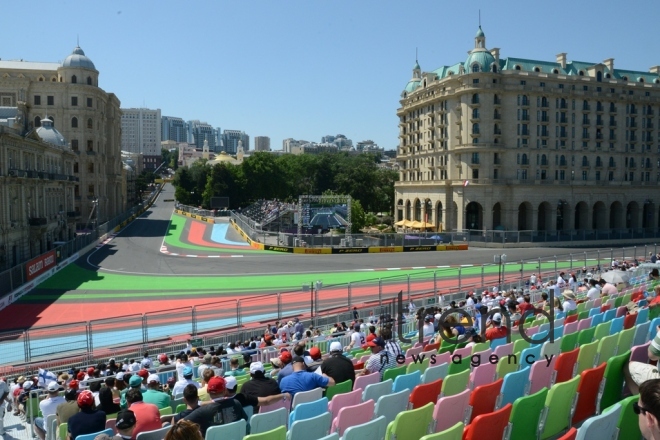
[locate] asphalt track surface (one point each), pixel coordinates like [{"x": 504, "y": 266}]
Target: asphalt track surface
[{"x": 131, "y": 275}]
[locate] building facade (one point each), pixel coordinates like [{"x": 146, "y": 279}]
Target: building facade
[
  {"x": 231, "y": 139},
  {"x": 37, "y": 191},
  {"x": 141, "y": 133},
  {"x": 198, "y": 132},
  {"x": 518, "y": 144},
  {"x": 261, "y": 143},
  {"x": 174, "y": 129},
  {"x": 88, "y": 117}
]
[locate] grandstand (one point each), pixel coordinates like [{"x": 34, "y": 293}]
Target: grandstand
[{"x": 569, "y": 385}]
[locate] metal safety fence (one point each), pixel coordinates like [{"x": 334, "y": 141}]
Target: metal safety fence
[{"x": 316, "y": 304}]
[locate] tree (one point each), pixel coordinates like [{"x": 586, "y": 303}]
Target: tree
[
  {"x": 225, "y": 180},
  {"x": 358, "y": 217}
]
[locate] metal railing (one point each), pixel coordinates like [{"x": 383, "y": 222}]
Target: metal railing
[{"x": 232, "y": 320}]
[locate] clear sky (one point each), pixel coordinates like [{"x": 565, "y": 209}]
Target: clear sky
[{"x": 308, "y": 68}]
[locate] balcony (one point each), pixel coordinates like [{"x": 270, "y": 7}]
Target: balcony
[
  {"x": 586, "y": 121},
  {"x": 586, "y": 108},
  {"x": 38, "y": 221},
  {"x": 90, "y": 152},
  {"x": 497, "y": 101},
  {"x": 612, "y": 123},
  {"x": 497, "y": 116},
  {"x": 525, "y": 103},
  {"x": 13, "y": 172},
  {"x": 31, "y": 174},
  {"x": 563, "y": 120},
  {"x": 600, "y": 109},
  {"x": 612, "y": 109},
  {"x": 545, "y": 119},
  {"x": 74, "y": 179},
  {"x": 524, "y": 118},
  {"x": 60, "y": 177},
  {"x": 599, "y": 122}
]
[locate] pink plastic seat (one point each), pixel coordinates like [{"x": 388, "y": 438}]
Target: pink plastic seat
[
  {"x": 340, "y": 401},
  {"x": 532, "y": 330},
  {"x": 503, "y": 351},
  {"x": 485, "y": 354},
  {"x": 584, "y": 324},
  {"x": 440, "y": 359},
  {"x": 570, "y": 327},
  {"x": 352, "y": 416},
  {"x": 286, "y": 404},
  {"x": 598, "y": 302},
  {"x": 414, "y": 350},
  {"x": 483, "y": 374},
  {"x": 621, "y": 311},
  {"x": 367, "y": 379},
  {"x": 450, "y": 410},
  {"x": 541, "y": 375},
  {"x": 111, "y": 424},
  {"x": 640, "y": 353},
  {"x": 464, "y": 352}
]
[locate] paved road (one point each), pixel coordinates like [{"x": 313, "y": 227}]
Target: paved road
[{"x": 137, "y": 249}]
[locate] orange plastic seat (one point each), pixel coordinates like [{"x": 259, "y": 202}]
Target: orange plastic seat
[
  {"x": 571, "y": 434},
  {"x": 425, "y": 393},
  {"x": 488, "y": 425},
  {"x": 430, "y": 347},
  {"x": 483, "y": 398},
  {"x": 565, "y": 365},
  {"x": 629, "y": 321},
  {"x": 571, "y": 318},
  {"x": 588, "y": 393}
]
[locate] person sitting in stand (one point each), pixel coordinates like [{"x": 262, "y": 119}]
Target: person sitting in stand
[
  {"x": 495, "y": 329},
  {"x": 89, "y": 420}
]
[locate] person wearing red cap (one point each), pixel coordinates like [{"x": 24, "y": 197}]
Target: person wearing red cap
[
  {"x": 89, "y": 420},
  {"x": 221, "y": 411},
  {"x": 314, "y": 360},
  {"x": 287, "y": 367}
]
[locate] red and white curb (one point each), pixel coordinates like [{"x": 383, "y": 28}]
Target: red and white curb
[
  {"x": 106, "y": 241},
  {"x": 163, "y": 250}
]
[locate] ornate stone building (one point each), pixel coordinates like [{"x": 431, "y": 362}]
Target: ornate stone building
[
  {"x": 68, "y": 94},
  {"x": 518, "y": 144}
]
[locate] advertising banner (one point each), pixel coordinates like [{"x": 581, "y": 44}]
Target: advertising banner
[{"x": 39, "y": 265}]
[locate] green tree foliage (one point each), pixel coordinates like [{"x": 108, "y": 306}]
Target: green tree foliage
[
  {"x": 267, "y": 176},
  {"x": 358, "y": 217}
]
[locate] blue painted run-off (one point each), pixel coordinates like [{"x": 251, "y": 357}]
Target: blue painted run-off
[{"x": 219, "y": 235}]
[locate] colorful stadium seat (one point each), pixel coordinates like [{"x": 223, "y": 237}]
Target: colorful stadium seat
[{"x": 525, "y": 414}]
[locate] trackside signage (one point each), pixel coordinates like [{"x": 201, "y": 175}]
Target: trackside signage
[{"x": 39, "y": 265}]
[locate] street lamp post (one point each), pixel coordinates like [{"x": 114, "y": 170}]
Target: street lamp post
[{"x": 500, "y": 260}]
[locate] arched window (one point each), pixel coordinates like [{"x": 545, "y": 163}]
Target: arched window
[
  {"x": 581, "y": 73},
  {"x": 475, "y": 128},
  {"x": 89, "y": 80},
  {"x": 493, "y": 68},
  {"x": 599, "y": 163},
  {"x": 555, "y": 71},
  {"x": 562, "y": 161},
  {"x": 525, "y": 100},
  {"x": 74, "y": 122},
  {"x": 585, "y": 161},
  {"x": 41, "y": 78},
  {"x": 608, "y": 76},
  {"x": 475, "y": 68},
  {"x": 611, "y": 163},
  {"x": 475, "y": 98},
  {"x": 599, "y": 76},
  {"x": 52, "y": 119},
  {"x": 656, "y": 81},
  {"x": 641, "y": 79},
  {"x": 74, "y": 80},
  {"x": 37, "y": 121},
  {"x": 516, "y": 67},
  {"x": 625, "y": 78},
  {"x": 525, "y": 161},
  {"x": 536, "y": 69},
  {"x": 544, "y": 101},
  {"x": 544, "y": 160},
  {"x": 90, "y": 123}
]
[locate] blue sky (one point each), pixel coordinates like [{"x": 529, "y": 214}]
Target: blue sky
[{"x": 304, "y": 69}]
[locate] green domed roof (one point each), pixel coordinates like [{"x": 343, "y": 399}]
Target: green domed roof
[
  {"x": 412, "y": 85},
  {"x": 481, "y": 57},
  {"x": 480, "y": 33},
  {"x": 417, "y": 66}
]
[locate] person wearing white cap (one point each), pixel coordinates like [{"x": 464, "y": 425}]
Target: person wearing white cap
[
  {"x": 495, "y": 329},
  {"x": 337, "y": 366},
  {"x": 154, "y": 394},
  {"x": 259, "y": 385},
  {"x": 48, "y": 406}
]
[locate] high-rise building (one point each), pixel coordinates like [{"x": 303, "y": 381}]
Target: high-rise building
[
  {"x": 198, "y": 132},
  {"x": 141, "y": 133},
  {"x": 230, "y": 139},
  {"x": 88, "y": 117},
  {"x": 173, "y": 129},
  {"x": 522, "y": 144},
  {"x": 261, "y": 143}
]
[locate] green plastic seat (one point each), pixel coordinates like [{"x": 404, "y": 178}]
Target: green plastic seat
[
  {"x": 580, "y": 309},
  {"x": 278, "y": 433},
  {"x": 411, "y": 424},
  {"x": 455, "y": 383},
  {"x": 587, "y": 357},
  {"x": 180, "y": 407},
  {"x": 504, "y": 366},
  {"x": 392, "y": 373},
  {"x": 628, "y": 420},
  {"x": 64, "y": 427},
  {"x": 607, "y": 348},
  {"x": 482, "y": 346},
  {"x": 524, "y": 420},
  {"x": 558, "y": 407},
  {"x": 520, "y": 345},
  {"x": 418, "y": 366},
  {"x": 625, "y": 341},
  {"x": 340, "y": 388},
  {"x": 602, "y": 330},
  {"x": 568, "y": 342},
  {"x": 461, "y": 366},
  {"x": 446, "y": 348},
  {"x": 613, "y": 380},
  {"x": 618, "y": 302},
  {"x": 453, "y": 433},
  {"x": 586, "y": 336}
]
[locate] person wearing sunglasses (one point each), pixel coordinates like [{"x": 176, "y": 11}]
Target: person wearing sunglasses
[
  {"x": 648, "y": 409},
  {"x": 637, "y": 373}
]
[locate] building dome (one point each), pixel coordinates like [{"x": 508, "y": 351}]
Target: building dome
[
  {"x": 480, "y": 33},
  {"x": 481, "y": 57},
  {"x": 49, "y": 134},
  {"x": 412, "y": 85},
  {"x": 78, "y": 59}
]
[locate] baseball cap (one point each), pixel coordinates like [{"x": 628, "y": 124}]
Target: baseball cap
[
  {"x": 80, "y": 375},
  {"x": 143, "y": 373},
  {"x": 135, "y": 381},
  {"x": 90, "y": 371},
  {"x": 285, "y": 357},
  {"x": 315, "y": 353},
  {"x": 187, "y": 372},
  {"x": 162, "y": 358},
  {"x": 85, "y": 398},
  {"x": 73, "y": 385},
  {"x": 120, "y": 376},
  {"x": 230, "y": 382},
  {"x": 153, "y": 378},
  {"x": 298, "y": 359},
  {"x": 216, "y": 385},
  {"x": 27, "y": 384},
  {"x": 125, "y": 419},
  {"x": 428, "y": 318},
  {"x": 336, "y": 346},
  {"x": 53, "y": 386},
  {"x": 257, "y": 366},
  {"x": 376, "y": 342},
  {"x": 356, "y": 327},
  {"x": 497, "y": 317}
]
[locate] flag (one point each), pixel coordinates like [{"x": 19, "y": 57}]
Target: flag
[
  {"x": 466, "y": 182},
  {"x": 46, "y": 377}
]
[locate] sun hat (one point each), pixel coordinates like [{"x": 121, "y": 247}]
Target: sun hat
[{"x": 568, "y": 294}]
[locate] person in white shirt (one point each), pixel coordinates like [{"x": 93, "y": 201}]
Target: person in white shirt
[
  {"x": 181, "y": 363},
  {"x": 561, "y": 282},
  {"x": 48, "y": 406},
  {"x": 187, "y": 375},
  {"x": 569, "y": 301},
  {"x": 532, "y": 280},
  {"x": 146, "y": 361},
  {"x": 358, "y": 339},
  {"x": 572, "y": 282},
  {"x": 593, "y": 292},
  {"x": 428, "y": 329},
  {"x": 469, "y": 304}
]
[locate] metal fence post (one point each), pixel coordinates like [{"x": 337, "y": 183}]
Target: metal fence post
[
  {"x": 483, "y": 266},
  {"x": 145, "y": 329},
  {"x": 585, "y": 260},
  {"x": 460, "y": 270},
  {"x": 598, "y": 259},
  {"x": 408, "y": 286},
  {"x": 348, "y": 294},
  {"x": 555, "y": 266},
  {"x": 540, "y": 271},
  {"x": 623, "y": 254},
  {"x": 279, "y": 306},
  {"x": 193, "y": 315},
  {"x": 611, "y": 256},
  {"x": 435, "y": 288},
  {"x": 26, "y": 345},
  {"x": 238, "y": 314},
  {"x": 380, "y": 294},
  {"x": 571, "y": 261},
  {"x": 522, "y": 269},
  {"x": 634, "y": 252},
  {"x": 90, "y": 338}
]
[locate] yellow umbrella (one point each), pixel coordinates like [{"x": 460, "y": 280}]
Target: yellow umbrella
[{"x": 400, "y": 223}]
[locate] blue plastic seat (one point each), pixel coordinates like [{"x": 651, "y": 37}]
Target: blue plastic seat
[
  {"x": 409, "y": 381},
  {"x": 617, "y": 325},
  {"x": 609, "y": 315},
  {"x": 603, "y": 426},
  {"x": 642, "y": 316},
  {"x": 559, "y": 331},
  {"x": 641, "y": 333},
  {"x": 593, "y": 312},
  {"x": 375, "y": 391},
  {"x": 308, "y": 410},
  {"x": 316, "y": 427},
  {"x": 514, "y": 386},
  {"x": 497, "y": 342},
  {"x": 374, "y": 429},
  {"x": 534, "y": 353}
]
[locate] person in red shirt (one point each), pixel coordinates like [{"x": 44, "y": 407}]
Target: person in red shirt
[
  {"x": 525, "y": 306},
  {"x": 147, "y": 414},
  {"x": 496, "y": 330}
]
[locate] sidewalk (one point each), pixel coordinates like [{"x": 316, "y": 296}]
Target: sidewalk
[{"x": 16, "y": 428}]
